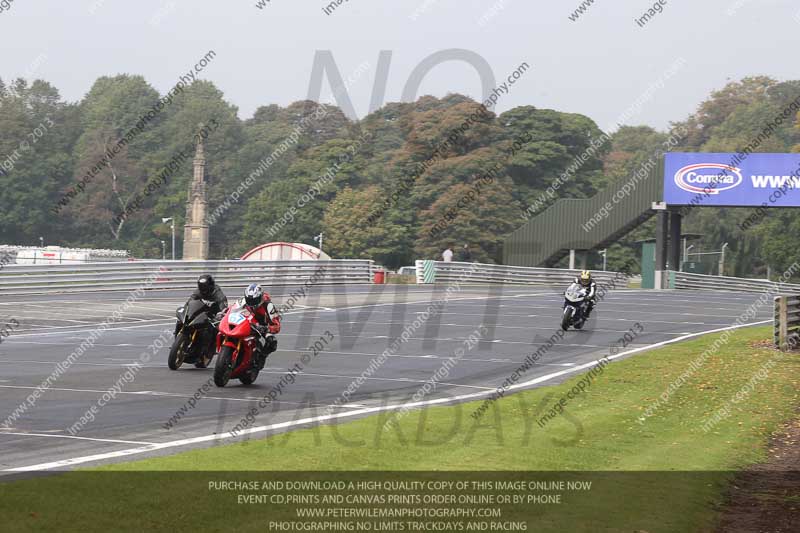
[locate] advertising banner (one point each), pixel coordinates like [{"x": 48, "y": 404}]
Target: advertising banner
[{"x": 733, "y": 180}]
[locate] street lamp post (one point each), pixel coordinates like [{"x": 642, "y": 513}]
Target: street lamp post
[
  {"x": 163, "y": 250},
  {"x": 722, "y": 259},
  {"x": 318, "y": 238},
  {"x": 172, "y": 227},
  {"x": 686, "y": 255},
  {"x": 604, "y": 253}
]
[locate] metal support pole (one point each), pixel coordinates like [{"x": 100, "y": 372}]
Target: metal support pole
[
  {"x": 783, "y": 323},
  {"x": 675, "y": 241},
  {"x": 572, "y": 259},
  {"x": 661, "y": 249},
  {"x": 722, "y": 260}
]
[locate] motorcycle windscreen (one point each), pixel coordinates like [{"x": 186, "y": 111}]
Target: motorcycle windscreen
[
  {"x": 195, "y": 308},
  {"x": 575, "y": 293},
  {"x": 238, "y": 322}
]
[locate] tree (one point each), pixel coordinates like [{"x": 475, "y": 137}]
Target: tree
[
  {"x": 348, "y": 238},
  {"x": 475, "y": 214}
]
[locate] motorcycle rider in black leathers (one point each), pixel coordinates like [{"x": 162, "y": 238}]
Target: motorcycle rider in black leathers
[
  {"x": 208, "y": 290},
  {"x": 585, "y": 280}
]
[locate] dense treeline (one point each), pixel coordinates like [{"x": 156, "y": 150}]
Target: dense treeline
[{"x": 310, "y": 169}]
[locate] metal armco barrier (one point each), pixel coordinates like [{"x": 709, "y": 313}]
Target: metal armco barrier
[
  {"x": 786, "y": 322},
  {"x": 684, "y": 280},
  {"x": 32, "y": 279},
  {"x": 449, "y": 272}
]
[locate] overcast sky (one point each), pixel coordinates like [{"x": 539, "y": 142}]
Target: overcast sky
[{"x": 599, "y": 65}]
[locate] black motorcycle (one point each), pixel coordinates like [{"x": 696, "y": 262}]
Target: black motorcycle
[
  {"x": 575, "y": 305},
  {"x": 195, "y": 335}
]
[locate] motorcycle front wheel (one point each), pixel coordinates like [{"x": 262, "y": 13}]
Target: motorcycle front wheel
[
  {"x": 177, "y": 352},
  {"x": 566, "y": 318},
  {"x": 223, "y": 368}
]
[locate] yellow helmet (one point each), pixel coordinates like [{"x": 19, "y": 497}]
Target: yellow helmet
[{"x": 585, "y": 277}]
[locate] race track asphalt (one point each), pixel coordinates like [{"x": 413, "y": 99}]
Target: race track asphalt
[{"x": 363, "y": 320}]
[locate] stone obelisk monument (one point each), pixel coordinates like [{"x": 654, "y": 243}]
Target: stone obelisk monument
[{"x": 195, "y": 234}]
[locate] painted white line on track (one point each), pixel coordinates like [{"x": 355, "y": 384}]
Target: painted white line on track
[
  {"x": 113, "y": 441},
  {"x": 93, "y": 345},
  {"x": 347, "y": 414},
  {"x": 404, "y": 380},
  {"x": 117, "y": 365},
  {"x": 184, "y": 396},
  {"x": 73, "y": 331},
  {"x": 337, "y": 309}
]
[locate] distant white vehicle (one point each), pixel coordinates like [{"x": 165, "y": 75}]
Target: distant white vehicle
[
  {"x": 52, "y": 255},
  {"x": 407, "y": 271},
  {"x": 56, "y": 255}
]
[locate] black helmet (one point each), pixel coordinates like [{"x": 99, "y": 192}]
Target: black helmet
[
  {"x": 253, "y": 295},
  {"x": 205, "y": 285}
]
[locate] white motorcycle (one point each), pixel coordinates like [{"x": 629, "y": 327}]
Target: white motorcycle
[{"x": 575, "y": 304}]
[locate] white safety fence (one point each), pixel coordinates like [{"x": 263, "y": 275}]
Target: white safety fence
[
  {"x": 448, "y": 272},
  {"x": 685, "y": 280},
  {"x": 35, "y": 279}
]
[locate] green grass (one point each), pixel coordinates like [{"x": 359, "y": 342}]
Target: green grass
[{"x": 602, "y": 431}]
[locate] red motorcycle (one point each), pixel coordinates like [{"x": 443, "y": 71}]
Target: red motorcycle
[{"x": 236, "y": 344}]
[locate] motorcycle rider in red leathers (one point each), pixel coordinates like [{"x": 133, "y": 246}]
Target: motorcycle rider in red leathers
[{"x": 268, "y": 319}]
